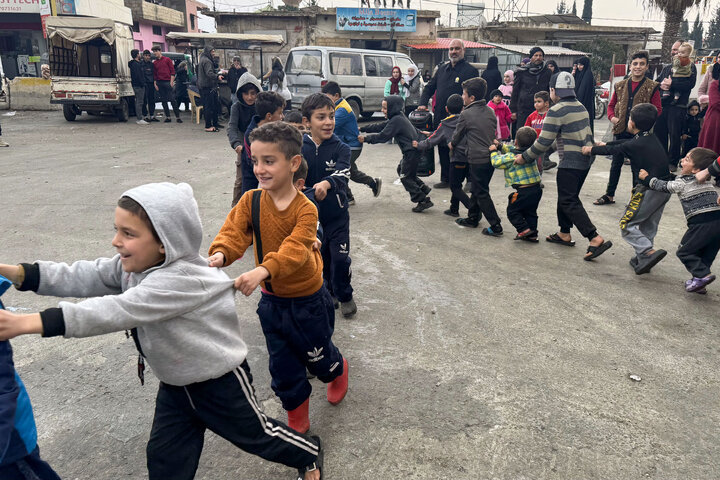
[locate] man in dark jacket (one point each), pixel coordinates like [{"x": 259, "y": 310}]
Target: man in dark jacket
[
  {"x": 668, "y": 128},
  {"x": 234, "y": 73},
  {"x": 148, "y": 109},
  {"x": 208, "y": 85},
  {"x": 447, "y": 81},
  {"x": 19, "y": 453},
  {"x": 530, "y": 79},
  {"x": 138, "y": 84},
  {"x": 399, "y": 127}
]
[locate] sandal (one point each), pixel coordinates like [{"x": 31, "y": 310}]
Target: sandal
[
  {"x": 555, "y": 238},
  {"x": 595, "y": 252},
  {"x": 211, "y": 130},
  {"x": 316, "y": 465},
  {"x": 604, "y": 200}
]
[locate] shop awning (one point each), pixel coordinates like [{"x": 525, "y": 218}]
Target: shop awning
[
  {"x": 81, "y": 29},
  {"x": 444, "y": 44}
]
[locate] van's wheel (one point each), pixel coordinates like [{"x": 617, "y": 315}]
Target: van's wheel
[
  {"x": 355, "y": 108},
  {"x": 123, "y": 111},
  {"x": 367, "y": 115},
  {"x": 70, "y": 112}
]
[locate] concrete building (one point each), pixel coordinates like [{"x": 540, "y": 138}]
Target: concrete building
[
  {"x": 153, "y": 19},
  {"x": 317, "y": 26}
]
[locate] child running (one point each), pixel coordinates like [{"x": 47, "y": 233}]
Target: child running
[
  {"x": 458, "y": 162},
  {"x": 328, "y": 160},
  {"x": 398, "y": 127},
  {"x": 639, "y": 223},
  {"x": 295, "y": 309},
  {"x": 182, "y": 317},
  {"x": 701, "y": 242},
  {"x": 525, "y": 179}
]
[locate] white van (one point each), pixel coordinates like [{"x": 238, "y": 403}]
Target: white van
[{"x": 360, "y": 73}]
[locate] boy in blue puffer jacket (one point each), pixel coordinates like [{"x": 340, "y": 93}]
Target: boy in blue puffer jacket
[
  {"x": 19, "y": 452},
  {"x": 346, "y": 128},
  {"x": 328, "y": 160}
]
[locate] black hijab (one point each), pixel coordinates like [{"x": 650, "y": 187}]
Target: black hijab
[{"x": 492, "y": 76}]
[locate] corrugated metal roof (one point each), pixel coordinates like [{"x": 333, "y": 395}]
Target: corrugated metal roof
[
  {"x": 548, "y": 49},
  {"x": 552, "y": 19},
  {"x": 444, "y": 44},
  {"x": 226, "y": 36}
]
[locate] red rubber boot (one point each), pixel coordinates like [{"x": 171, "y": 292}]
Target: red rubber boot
[
  {"x": 337, "y": 389},
  {"x": 298, "y": 419}
]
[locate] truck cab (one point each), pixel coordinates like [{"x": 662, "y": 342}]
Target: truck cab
[{"x": 89, "y": 66}]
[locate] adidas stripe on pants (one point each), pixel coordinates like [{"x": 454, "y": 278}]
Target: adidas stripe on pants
[{"x": 228, "y": 407}]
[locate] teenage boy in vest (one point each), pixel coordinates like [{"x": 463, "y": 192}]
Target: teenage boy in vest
[
  {"x": 568, "y": 122},
  {"x": 639, "y": 223},
  {"x": 296, "y": 311},
  {"x": 346, "y": 128},
  {"x": 634, "y": 90}
]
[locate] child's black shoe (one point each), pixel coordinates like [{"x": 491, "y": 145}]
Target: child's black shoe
[
  {"x": 424, "y": 205},
  {"x": 467, "y": 222},
  {"x": 452, "y": 213}
]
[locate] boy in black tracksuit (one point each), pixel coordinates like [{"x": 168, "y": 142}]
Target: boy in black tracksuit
[
  {"x": 641, "y": 218},
  {"x": 458, "y": 162},
  {"x": 328, "y": 174},
  {"x": 148, "y": 109},
  {"x": 399, "y": 127}
]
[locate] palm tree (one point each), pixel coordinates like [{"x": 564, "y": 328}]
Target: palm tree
[{"x": 674, "y": 12}]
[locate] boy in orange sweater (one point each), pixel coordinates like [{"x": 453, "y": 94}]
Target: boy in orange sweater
[{"x": 296, "y": 311}]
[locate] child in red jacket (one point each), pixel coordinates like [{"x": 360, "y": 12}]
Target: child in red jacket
[{"x": 502, "y": 113}]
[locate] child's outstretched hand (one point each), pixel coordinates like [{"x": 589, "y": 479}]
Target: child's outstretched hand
[
  {"x": 493, "y": 148},
  {"x": 12, "y": 325},
  {"x": 643, "y": 174},
  {"x": 519, "y": 160},
  {"x": 361, "y": 138},
  {"x": 587, "y": 150},
  {"x": 249, "y": 281},
  {"x": 216, "y": 260},
  {"x": 415, "y": 143},
  {"x": 702, "y": 176}
]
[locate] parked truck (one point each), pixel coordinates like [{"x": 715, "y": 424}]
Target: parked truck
[{"x": 89, "y": 66}]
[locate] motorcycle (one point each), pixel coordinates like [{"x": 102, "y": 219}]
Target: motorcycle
[{"x": 602, "y": 95}]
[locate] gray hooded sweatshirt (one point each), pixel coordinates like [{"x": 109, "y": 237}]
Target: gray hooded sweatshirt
[{"x": 184, "y": 311}]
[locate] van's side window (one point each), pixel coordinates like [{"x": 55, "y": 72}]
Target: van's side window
[
  {"x": 378, "y": 66},
  {"x": 345, "y": 64},
  {"x": 307, "y": 61},
  {"x": 403, "y": 63}
]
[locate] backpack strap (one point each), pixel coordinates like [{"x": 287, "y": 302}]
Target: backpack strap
[{"x": 256, "y": 231}]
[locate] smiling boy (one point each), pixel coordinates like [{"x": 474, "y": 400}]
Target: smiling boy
[
  {"x": 182, "y": 318},
  {"x": 296, "y": 311}
]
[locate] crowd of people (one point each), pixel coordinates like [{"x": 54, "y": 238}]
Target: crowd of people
[{"x": 290, "y": 202}]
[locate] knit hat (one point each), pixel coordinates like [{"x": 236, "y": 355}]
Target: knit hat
[
  {"x": 495, "y": 93},
  {"x": 564, "y": 84},
  {"x": 534, "y": 50}
]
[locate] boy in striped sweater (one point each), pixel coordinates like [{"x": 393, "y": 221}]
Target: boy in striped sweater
[
  {"x": 568, "y": 123},
  {"x": 701, "y": 243}
]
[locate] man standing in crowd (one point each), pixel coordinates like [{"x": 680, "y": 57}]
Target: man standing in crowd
[
  {"x": 447, "y": 81},
  {"x": 668, "y": 128},
  {"x": 138, "y": 84},
  {"x": 634, "y": 90},
  {"x": 164, "y": 71},
  {"x": 149, "y": 76},
  {"x": 233, "y": 75},
  {"x": 208, "y": 85},
  {"x": 529, "y": 79}
]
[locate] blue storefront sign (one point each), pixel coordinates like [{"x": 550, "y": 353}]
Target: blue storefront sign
[{"x": 375, "y": 20}]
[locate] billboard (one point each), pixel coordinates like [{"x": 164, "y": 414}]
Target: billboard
[
  {"x": 375, "y": 20},
  {"x": 19, "y": 6}
]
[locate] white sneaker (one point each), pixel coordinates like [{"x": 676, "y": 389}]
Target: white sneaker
[
  {"x": 4, "y": 144},
  {"x": 142, "y": 122}
]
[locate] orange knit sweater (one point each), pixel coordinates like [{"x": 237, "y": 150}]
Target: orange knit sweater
[{"x": 287, "y": 239}]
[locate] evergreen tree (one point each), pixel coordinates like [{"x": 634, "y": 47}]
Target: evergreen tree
[
  {"x": 697, "y": 32},
  {"x": 562, "y": 8},
  {"x": 587, "y": 11},
  {"x": 574, "y": 9},
  {"x": 685, "y": 29},
  {"x": 713, "y": 36}
]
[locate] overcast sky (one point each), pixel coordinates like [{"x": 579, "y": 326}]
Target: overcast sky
[{"x": 605, "y": 12}]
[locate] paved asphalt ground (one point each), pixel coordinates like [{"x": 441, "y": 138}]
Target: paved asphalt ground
[{"x": 471, "y": 357}]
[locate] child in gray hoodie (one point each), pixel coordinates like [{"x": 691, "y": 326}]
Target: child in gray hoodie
[{"x": 181, "y": 314}]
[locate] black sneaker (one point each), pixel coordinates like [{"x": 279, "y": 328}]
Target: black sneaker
[
  {"x": 154, "y": 119},
  {"x": 467, "y": 222},
  {"x": 442, "y": 185},
  {"x": 377, "y": 187},
  {"x": 178, "y": 120},
  {"x": 548, "y": 165},
  {"x": 452, "y": 213},
  {"x": 167, "y": 120},
  {"x": 424, "y": 205}
]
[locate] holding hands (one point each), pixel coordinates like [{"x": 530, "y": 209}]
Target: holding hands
[
  {"x": 249, "y": 281},
  {"x": 216, "y": 260},
  {"x": 415, "y": 143},
  {"x": 643, "y": 174},
  {"x": 519, "y": 160},
  {"x": 361, "y": 138},
  {"x": 12, "y": 324}
]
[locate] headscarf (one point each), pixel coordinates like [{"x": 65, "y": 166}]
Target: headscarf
[
  {"x": 554, "y": 64},
  {"x": 492, "y": 64},
  {"x": 585, "y": 72},
  {"x": 716, "y": 73},
  {"x": 510, "y": 74},
  {"x": 277, "y": 75},
  {"x": 409, "y": 78},
  {"x": 395, "y": 83}
]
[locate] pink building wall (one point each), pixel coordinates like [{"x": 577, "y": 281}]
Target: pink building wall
[{"x": 145, "y": 38}]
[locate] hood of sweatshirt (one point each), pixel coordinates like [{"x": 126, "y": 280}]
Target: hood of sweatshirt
[
  {"x": 246, "y": 78},
  {"x": 395, "y": 105},
  {"x": 173, "y": 211}
]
